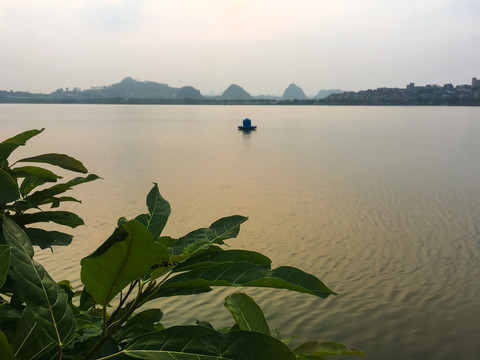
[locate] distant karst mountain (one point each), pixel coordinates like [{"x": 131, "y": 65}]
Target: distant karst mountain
[
  {"x": 131, "y": 91},
  {"x": 235, "y": 92},
  {"x": 293, "y": 92}
]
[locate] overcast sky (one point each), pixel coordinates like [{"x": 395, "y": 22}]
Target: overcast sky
[{"x": 261, "y": 45}]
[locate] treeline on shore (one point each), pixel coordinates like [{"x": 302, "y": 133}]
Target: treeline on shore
[{"x": 436, "y": 101}]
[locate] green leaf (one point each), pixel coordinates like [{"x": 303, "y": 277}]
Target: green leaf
[
  {"x": 198, "y": 342},
  {"x": 166, "y": 241},
  {"x": 179, "y": 291},
  {"x": 216, "y": 255},
  {"x": 119, "y": 234},
  {"x": 325, "y": 349},
  {"x": 5, "y": 150},
  {"x": 6, "y": 352},
  {"x": 9, "y": 145},
  {"x": 222, "y": 229},
  {"x": 39, "y": 196},
  {"x": 246, "y": 313},
  {"x": 68, "y": 288},
  {"x": 141, "y": 323},
  {"x": 121, "y": 262},
  {"x": 30, "y": 183},
  {"x": 33, "y": 176},
  {"x": 11, "y": 313},
  {"x": 55, "y": 201},
  {"x": 59, "y": 217},
  {"x": 86, "y": 300},
  {"x": 8, "y": 188},
  {"x": 5, "y": 256},
  {"x": 60, "y": 160},
  {"x": 22, "y": 138},
  {"x": 205, "y": 324},
  {"x": 30, "y": 339},
  {"x": 158, "y": 212},
  {"x": 42, "y": 295},
  {"x": 46, "y": 239},
  {"x": 248, "y": 274},
  {"x": 25, "y": 171}
]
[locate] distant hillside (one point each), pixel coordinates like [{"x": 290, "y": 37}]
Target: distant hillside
[
  {"x": 129, "y": 88},
  {"x": 133, "y": 91},
  {"x": 293, "y": 92},
  {"x": 188, "y": 92},
  {"x": 235, "y": 92},
  {"x": 322, "y": 94}
]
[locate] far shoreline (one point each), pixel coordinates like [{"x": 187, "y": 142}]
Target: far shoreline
[{"x": 475, "y": 102}]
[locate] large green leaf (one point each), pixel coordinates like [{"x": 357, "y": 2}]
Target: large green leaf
[
  {"x": 9, "y": 145},
  {"x": 30, "y": 340},
  {"x": 105, "y": 273},
  {"x": 8, "y": 188},
  {"x": 40, "y": 196},
  {"x": 211, "y": 256},
  {"x": 60, "y": 160},
  {"x": 202, "y": 343},
  {"x": 215, "y": 255},
  {"x": 42, "y": 295},
  {"x": 314, "y": 350},
  {"x": 179, "y": 291},
  {"x": 248, "y": 274},
  {"x": 5, "y": 256},
  {"x": 247, "y": 313},
  {"x": 6, "y": 352},
  {"x": 222, "y": 229},
  {"x": 158, "y": 212},
  {"x": 59, "y": 217}
]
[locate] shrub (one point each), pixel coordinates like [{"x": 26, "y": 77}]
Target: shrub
[{"x": 42, "y": 319}]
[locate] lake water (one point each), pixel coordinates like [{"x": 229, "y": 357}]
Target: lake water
[{"x": 381, "y": 203}]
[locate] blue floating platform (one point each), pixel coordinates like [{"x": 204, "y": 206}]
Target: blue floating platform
[{"x": 247, "y": 125}]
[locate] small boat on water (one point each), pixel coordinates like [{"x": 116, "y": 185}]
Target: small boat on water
[{"x": 247, "y": 125}]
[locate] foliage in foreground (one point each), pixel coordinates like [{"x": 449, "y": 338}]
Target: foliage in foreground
[
  {"x": 21, "y": 196},
  {"x": 42, "y": 319}
]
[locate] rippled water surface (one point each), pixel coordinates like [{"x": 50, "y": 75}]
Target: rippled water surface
[{"x": 381, "y": 203}]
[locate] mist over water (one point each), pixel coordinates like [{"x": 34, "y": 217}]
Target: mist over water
[{"x": 381, "y": 203}]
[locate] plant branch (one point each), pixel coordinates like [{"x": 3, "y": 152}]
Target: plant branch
[
  {"x": 155, "y": 288},
  {"x": 108, "y": 332},
  {"x": 122, "y": 302}
]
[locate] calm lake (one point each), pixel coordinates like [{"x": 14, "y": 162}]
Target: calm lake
[{"x": 381, "y": 203}]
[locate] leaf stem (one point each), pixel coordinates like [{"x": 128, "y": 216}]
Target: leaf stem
[
  {"x": 110, "y": 356},
  {"x": 104, "y": 314}
]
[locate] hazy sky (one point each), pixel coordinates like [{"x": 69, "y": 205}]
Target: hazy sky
[{"x": 261, "y": 45}]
